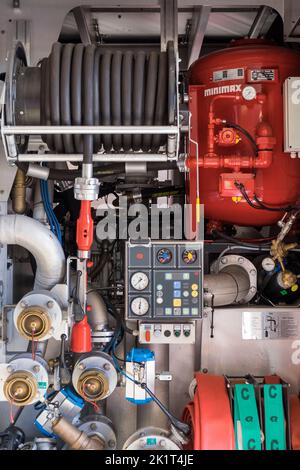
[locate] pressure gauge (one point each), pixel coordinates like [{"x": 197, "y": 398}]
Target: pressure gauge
[
  {"x": 139, "y": 281},
  {"x": 268, "y": 264},
  {"x": 139, "y": 306},
  {"x": 164, "y": 256},
  {"x": 249, "y": 93},
  {"x": 189, "y": 256}
]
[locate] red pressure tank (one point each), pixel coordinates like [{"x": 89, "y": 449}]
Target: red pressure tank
[{"x": 236, "y": 133}]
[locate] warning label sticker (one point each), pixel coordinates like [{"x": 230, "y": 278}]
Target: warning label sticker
[
  {"x": 270, "y": 325},
  {"x": 228, "y": 74},
  {"x": 262, "y": 75}
]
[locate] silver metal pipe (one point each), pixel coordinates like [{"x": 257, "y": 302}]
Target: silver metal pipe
[
  {"x": 90, "y": 130},
  {"x": 42, "y": 244},
  {"x": 105, "y": 158}
]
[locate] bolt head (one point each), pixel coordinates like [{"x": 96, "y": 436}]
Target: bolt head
[
  {"x": 36, "y": 368},
  {"x": 10, "y": 369},
  {"x": 81, "y": 366},
  {"x": 23, "y": 304},
  {"x": 93, "y": 426},
  {"x": 50, "y": 304},
  {"x": 106, "y": 366},
  {"x": 111, "y": 444},
  {"x": 162, "y": 443},
  {"x": 142, "y": 442}
]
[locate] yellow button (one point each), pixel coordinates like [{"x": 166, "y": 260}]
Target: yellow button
[
  {"x": 176, "y": 302},
  {"x": 294, "y": 288},
  {"x": 194, "y": 293},
  {"x": 194, "y": 286}
]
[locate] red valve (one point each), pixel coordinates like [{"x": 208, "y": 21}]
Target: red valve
[
  {"x": 85, "y": 227},
  {"x": 81, "y": 337}
]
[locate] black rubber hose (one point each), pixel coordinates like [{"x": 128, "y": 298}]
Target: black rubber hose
[
  {"x": 76, "y": 93},
  {"x": 105, "y": 97},
  {"x": 116, "y": 78},
  {"x": 151, "y": 87},
  {"x": 88, "y": 102},
  {"x": 65, "y": 93},
  {"x": 224, "y": 236},
  {"x": 55, "y": 60},
  {"x": 161, "y": 96},
  {"x": 246, "y": 134},
  {"x": 97, "y": 115},
  {"x": 138, "y": 96},
  {"x": 127, "y": 81},
  {"x": 49, "y": 138}
]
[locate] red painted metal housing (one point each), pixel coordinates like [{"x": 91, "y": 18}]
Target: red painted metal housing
[{"x": 222, "y": 155}]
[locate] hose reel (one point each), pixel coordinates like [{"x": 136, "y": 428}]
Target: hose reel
[{"x": 80, "y": 85}]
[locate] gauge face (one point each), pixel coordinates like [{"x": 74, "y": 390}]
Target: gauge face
[
  {"x": 139, "y": 281},
  {"x": 268, "y": 264},
  {"x": 139, "y": 306},
  {"x": 164, "y": 256},
  {"x": 189, "y": 256},
  {"x": 249, "y": 93}
]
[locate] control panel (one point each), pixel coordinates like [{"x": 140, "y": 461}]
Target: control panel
[
  {"x": 167, "y": 333},
  {"x": 164, "y": 280}
]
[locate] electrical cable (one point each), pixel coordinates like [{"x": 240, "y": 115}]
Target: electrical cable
[
  {"x": 259, "y": 204},
  {"x": 181, "y": 426},
  {"x": 226, "y": 237},
  {"x": 54, "y": 225},
  {"x": 245, "y": 133}
]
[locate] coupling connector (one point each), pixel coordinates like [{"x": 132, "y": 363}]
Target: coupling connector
[{"x": 86, "y": 189}]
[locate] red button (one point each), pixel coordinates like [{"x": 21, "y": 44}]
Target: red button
[
  {"x": 147, "y": 336},
  {"x": 139, "y": 256}
]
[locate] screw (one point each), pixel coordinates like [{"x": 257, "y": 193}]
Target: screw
[
  {"x": 204, "y": 371},
  {"x": 50, "y": 304},
  {"x": 142, "y": 442},
  {"x": 93, "y": 426},
  {"x": 111, "y": 444},
  {"x": 241, "y": 260},
  {"x": 36, "y": 368},
  {"x": 106, "y": 366},
  {"x": 162, "y": 443},
  {"x": 9, "y": 369},
  {"x": 23, "y": 304},
  {"x": 224, "y": 260},
  {"x": 81, "y": 366}
]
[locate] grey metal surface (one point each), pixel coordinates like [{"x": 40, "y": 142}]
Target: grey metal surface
[
  {"x": 228, "y": 353},
  {"x": 199, "y": 25}
]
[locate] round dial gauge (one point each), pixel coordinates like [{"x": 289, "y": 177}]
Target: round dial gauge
[
  {"x": 189, "y": 256},
  {"x": 249, "y": 93},
  {"x": 139, "y": 281},
  {"x": 268, "y": 264},
  {"x": 164, "y": 256},
  {"x": 139, "y": 306}
]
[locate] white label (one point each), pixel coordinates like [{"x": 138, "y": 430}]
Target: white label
[
  {"x": 270, "y": 325},
  {"x": 228, "y": 74},
  {"x": 262, "y": 75}
]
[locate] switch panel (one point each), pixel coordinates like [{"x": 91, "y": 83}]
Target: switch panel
[
  {"x": 164, "y": 280},
  {"x": 167, "y": 333}
]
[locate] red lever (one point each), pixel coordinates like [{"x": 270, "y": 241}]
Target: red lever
[
  {"x": 85, "y": 227},
  {"x": 81, "y": 337}
]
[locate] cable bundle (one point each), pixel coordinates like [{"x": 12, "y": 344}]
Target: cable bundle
[{"x": 53, "y": 222}]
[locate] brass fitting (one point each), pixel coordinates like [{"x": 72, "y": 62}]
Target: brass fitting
[
  {"x": 279, "y": 251},
  {"x": 19, "y": 193},
  {"x": 33, "y": 323},
  {"x": 75, "y": 439},
  {"x": 93, "y": 385},
  {"x": 20, "y": 388}
]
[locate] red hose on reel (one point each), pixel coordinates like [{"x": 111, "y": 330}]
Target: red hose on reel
[{"x": 209, "y": 415}]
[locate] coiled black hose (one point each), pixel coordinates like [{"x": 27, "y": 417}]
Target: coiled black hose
[{"x": 89, "y": 85}]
